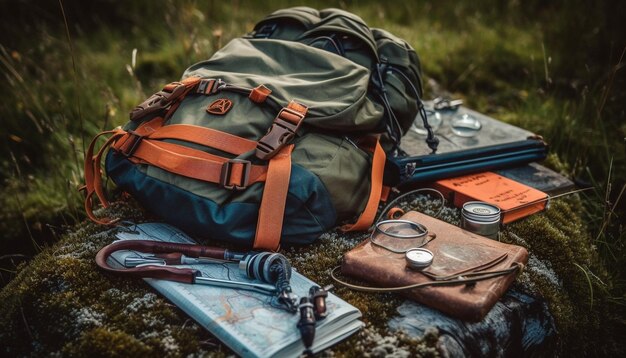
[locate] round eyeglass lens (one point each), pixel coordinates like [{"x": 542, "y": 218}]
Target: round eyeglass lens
[
  {"x": 434, "y": 119},
  {"x": 465, "y": 125}
]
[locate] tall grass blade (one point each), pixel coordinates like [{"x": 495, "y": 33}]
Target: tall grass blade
[
  {"x": 589, "y": 283},
  {"x": 77, "y": 89}
]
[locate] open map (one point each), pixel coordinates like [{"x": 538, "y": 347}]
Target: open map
[{"x": 248, "y": 322}]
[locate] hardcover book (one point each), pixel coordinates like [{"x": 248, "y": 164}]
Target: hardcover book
[
  {"x": 245, "y": 321},
  {"x": 539, "y": 177},
  {"x": 515, "y": 199}
]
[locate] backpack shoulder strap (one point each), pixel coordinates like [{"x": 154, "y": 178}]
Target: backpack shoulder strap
[{"x": 366, "y": 219}]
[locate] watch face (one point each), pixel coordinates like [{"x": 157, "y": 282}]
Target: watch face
[{"x": 419, "y": 258}]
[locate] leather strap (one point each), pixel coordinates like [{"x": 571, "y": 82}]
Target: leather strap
[
  {"x": 179, "y": 274},
  {"x": 272, "y": 209},
  {"x": 366, "y": 218},
  {"x": 465, "y": 279}
]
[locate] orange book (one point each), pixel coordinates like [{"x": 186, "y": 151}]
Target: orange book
[{"x": 516, "y": 200}]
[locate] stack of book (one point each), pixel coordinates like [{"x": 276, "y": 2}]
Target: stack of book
[{"x": 494, "y": 163}]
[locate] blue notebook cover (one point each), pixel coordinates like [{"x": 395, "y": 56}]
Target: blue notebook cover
[{"x": 496, "y": 145}]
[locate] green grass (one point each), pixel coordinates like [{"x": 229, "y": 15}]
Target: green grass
[{"x": 544, "y": 67}]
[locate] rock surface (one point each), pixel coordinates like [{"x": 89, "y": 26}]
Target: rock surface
[{"x": 61, "y": 304}]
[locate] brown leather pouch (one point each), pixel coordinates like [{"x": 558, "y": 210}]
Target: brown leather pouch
[{"x": 457, "y": 254}]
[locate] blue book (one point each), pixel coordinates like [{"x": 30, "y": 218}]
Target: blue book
[{"x": 479, "y": 143}]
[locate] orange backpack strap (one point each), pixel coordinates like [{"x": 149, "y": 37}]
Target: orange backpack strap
[
  {"x": 145, "y": 145},
  {"x": 273, "y": 146},
  {"x": 378, "y": 166},
  {"x": 93, "y": 171},
  {"x": 93, "y": 176},
  {"x": 207, "y": 137},
  {"x": 191, "y": 163},
  {"x": 272, "y": 209}
]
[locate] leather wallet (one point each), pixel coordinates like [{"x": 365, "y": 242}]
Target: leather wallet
[{"x": 456, "y": 253}]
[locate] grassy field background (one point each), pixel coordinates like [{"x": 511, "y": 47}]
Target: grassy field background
[{"x": 555, "y": 68}]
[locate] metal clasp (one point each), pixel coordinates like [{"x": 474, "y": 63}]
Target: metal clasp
[
  {"x": 226, "y": 174},
  {"x": 158, "y": 101}
]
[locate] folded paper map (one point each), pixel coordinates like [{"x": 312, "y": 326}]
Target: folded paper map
[{"x": 245, "y": 321}]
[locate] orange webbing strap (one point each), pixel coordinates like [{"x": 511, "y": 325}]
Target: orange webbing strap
[
  {"x": 298, "y": 107},
  {"x": 369, "y": 213},
  {"x": 196, "y": 164},
  {"x": 93, "y": 172},
  {"x": 189, "y": 82},
  {"x": 145, "y": 146},
  {"x": 93, "y": 175},
  {"x": 272, "y": 209},
  {"x": 205, "y": 136},
  {"x": 384, "y": 195}
]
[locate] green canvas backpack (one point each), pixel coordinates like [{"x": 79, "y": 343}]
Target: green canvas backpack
[{"x": 276, "y": 138}]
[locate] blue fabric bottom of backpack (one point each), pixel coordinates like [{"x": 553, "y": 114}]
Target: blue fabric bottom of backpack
[{"x": 308, "y": 211}]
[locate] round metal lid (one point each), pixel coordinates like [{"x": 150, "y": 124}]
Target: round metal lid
[
  {"x": 481, "y": 211},
  {"x": 418, "y": 258}
]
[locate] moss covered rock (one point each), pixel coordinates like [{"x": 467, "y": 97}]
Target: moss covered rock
[{"x": 60, "y": 303}]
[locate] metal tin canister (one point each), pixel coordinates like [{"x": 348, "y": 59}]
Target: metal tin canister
[
  {"x": 481, "y": 218},
  {"x": 418, "y": 258}
]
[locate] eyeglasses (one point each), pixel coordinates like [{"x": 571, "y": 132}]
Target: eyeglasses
[{"x": 461, "y": 124}]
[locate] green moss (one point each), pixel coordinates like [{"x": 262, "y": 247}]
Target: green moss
[
  {"x": 61, "y": 303},
  {"x": 101, "y": 342},
  {"x": 565, "y": 269}
]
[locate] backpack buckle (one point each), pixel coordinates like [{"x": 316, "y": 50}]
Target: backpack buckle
[
  {"x": 130, "y": 144},
  {"x": 227, "y": 174},
  {"x": 158, "y": 101},
  {"x": 280, "y": 133}
]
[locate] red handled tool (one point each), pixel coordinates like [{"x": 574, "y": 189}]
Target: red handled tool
[{"x": 157, "y": 255}]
